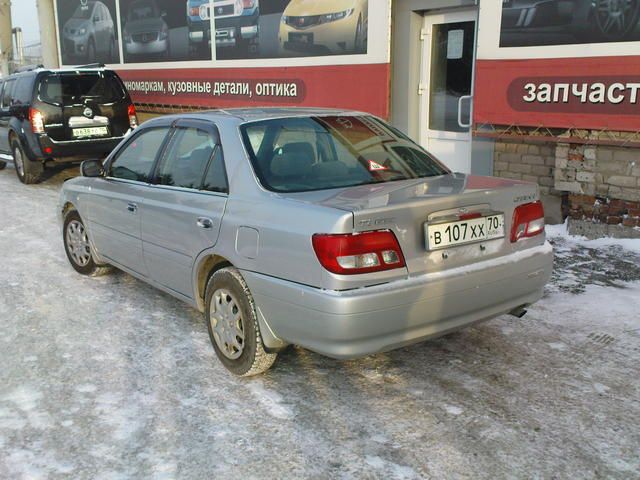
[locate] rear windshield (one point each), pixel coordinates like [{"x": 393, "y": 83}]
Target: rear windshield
[
  {"x": 72, "y": 88},
  {"x": 302, "y": 154}
]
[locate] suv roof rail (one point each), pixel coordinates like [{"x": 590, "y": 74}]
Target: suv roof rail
[
  {"x": 91, "y": 65},
  {"x": 28, "y": 68}
]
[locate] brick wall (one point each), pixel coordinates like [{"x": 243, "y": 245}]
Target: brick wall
[
  {"x": 602, "y": 182},
  {"x": 531, "y": 163}
]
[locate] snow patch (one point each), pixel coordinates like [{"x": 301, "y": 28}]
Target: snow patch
[
  {"x": 560, "y": 231},
  {"x": 270, "y": 400},
  {"x": 453, "y": 410},
  {"x": 392, "y": 470},
  {"x": 600, "y": 388}
]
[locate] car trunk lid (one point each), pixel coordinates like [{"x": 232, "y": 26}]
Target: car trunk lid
[{"x": 406, "y": 207}]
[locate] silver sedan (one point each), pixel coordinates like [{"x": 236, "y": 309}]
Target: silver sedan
[{"x": 321, "y": 228}]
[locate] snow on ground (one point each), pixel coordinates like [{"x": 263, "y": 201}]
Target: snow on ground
[{"x": 110, "y": 379}]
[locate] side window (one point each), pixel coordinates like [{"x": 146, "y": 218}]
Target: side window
[
  {"x": 136, "y": 160},
  {"x": 22, "y": 91},
  {"x": 187, "y": 158},
  {"x": 7, "y": 94},
  {"x": 216, "y": 178}
]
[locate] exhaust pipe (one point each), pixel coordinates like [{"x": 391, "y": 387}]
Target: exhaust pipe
[{"x": 518, "y": 312}]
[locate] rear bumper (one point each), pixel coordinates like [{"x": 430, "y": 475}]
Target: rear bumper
[
  {"x": 77, "y": 150},
  {"x": 360, "y": 322}
]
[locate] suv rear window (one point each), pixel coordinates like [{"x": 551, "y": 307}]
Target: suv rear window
[
  {"x": 303, "y": 154},
  {"x": 72, "y": 88}
]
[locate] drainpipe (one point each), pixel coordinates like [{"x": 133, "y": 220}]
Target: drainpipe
[
  {"x": 6, "y": 40},
  {"x": 48, "y": 37}
]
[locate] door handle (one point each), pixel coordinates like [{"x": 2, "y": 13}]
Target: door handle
[
  {"x": 461, "y": 100},
  {"x": 132, "y": 207},
  {"x": 205, "y": 223}
]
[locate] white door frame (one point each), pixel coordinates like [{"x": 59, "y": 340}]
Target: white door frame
[{"x": 467, "y": 15}]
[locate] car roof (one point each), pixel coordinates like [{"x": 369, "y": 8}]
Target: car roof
[
  {"x": 245, "y": 115},
  {"x": 38, "y": 70}
]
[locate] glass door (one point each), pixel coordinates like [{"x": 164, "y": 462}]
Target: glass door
[{"x": 449, "y": 51}]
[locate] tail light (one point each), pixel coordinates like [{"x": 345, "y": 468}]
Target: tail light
[
  {"x": 194, "y": 12},
  {"x": 528, "y": 221},
  {"x": 366, "y": 252},
  {"x": 37, "y": 120},
  {"x": 133, "y": 118},
  {"x": 248, "y": 3}
]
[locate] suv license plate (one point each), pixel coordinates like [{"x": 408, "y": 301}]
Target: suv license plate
[
  {"x": 90, "y": 132},
  {"x": 444, "y": 235}
]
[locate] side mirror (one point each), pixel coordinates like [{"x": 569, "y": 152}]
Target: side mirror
[
  {"x": 163, "y": 14},
  {"x": 96, "y": 19},
  {"x": 92, "y": 168}
]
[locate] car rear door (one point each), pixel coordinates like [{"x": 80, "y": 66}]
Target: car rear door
[
  {"x": 183, "y": 209},
  {"x": 116, "y": 204},
  {"x": 93, "y": 105}
]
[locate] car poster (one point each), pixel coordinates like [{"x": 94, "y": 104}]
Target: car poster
[
  {"x": 88, "y": 31},
  {"x": 293, "y": 28},
  {"x": 559, "y": 22},
  {"x": 164, "y": 30}
]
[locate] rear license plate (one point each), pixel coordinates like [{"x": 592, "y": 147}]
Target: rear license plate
[
  {"x": 444, "y": 235},
  {"x": 301, "y": 38},
  {"x": 90, "y": 132}
]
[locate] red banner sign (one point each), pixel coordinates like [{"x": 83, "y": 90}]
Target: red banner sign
[
  {"x": 357, "y": 87},
  {"x": 590, "y": 93}
]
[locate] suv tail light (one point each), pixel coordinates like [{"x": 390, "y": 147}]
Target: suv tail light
[
  {"x": 248, "y": 3},
  {"x": 528, "y": 221},
  {"x": 133, "y": 118},
  {"x": 366, "y": 252},
  {"x": 36, "y": 118}
]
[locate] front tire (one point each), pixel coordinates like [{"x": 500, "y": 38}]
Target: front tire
[
  {"x": 28, "y": 171},
  {"x": 78, "y": 248},
  {"x": 233, "y": 325},
  {"x": 3, "y": 165}
]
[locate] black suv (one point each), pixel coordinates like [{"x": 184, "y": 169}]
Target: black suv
[{"x": 61, "y": 116}]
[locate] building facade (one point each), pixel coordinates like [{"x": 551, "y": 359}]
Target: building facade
[{"x": 545, "y": 91}]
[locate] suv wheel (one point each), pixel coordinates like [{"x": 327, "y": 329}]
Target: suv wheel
[
  {"x": 78, "y": 247},
  {"x": 2, "y": 165},
  {"x": 28, "y": 171},
  {"x": 233, "y": 325}
]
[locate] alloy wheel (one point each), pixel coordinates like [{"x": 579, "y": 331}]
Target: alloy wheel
[
  {"x": 616, "y": 18},
  {"x": 18, "y": 161}
]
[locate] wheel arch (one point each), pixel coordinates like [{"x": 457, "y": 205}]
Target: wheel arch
[{"x": 206, "y": 267}]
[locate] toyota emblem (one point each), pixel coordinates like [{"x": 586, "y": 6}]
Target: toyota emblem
[{"x": 88, "y": 112}]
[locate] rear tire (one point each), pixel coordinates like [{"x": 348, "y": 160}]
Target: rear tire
[
  {"x": 28, "y": 171},
  {"x": 233, "y": 325},
  {"x": 78, "y": 248}
]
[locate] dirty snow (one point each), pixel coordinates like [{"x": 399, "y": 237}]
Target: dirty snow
[{"x": 110, "y": 379}]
